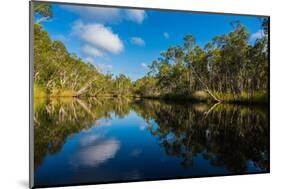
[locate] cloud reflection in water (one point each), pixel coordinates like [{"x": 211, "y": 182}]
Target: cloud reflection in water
[{"x": 95, "y": 150}]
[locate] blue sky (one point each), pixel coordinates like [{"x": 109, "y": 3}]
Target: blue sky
[{"x": 127, "y": 40}]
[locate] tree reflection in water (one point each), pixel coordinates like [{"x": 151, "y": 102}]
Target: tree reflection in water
[{"x": 228, "y": 136}]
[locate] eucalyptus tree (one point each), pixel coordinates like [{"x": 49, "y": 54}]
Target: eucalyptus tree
[
  {"x": 196, "y": 61},
  {"x": 123, "y": 85}
]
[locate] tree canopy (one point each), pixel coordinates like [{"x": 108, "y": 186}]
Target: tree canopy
[{"x": 228, "y": 68}]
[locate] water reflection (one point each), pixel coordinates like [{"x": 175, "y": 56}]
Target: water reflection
[
  {"x": 57, "y": 118},
  {"x": 95, "y": 150},
  {"x": 227, "y": 135},
  {"x": 98, "y": 135}
]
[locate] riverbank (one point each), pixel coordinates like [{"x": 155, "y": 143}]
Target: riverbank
[
  {"x": 40, "y": 92},
  {"x": 258, "y": 97},
  {"x": 201, "y": 96}
]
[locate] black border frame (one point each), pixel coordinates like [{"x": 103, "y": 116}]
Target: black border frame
[{"x": 31, "y": 100}]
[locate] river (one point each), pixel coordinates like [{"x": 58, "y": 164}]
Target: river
[{"x": 99, "y": 140}]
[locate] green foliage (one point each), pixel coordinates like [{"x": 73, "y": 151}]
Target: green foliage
[
  {"x": 227, "y": 69},
  {"x": 123, "y": 85},
  {"x": 146, "y": 87},
  {"x": 39, "y": 92},
  {"x": 58, "y": 73},
  {"x": 44, "y": 9}
]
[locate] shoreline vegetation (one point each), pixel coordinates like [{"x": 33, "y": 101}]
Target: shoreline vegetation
[
  {"x": 229, "y": 69},
  {"x": 259, "y": 98}
]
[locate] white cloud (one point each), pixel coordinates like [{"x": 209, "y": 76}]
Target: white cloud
[
  {"x": 99, "y": 37},
  {"x": 97, "y": 14},
  {"x": 144, "y": 65},
  {"x": 43, "y": 19},
  {"x": 166, "y": 35},
  {"x": 136, "y": 15},
  {"x": 137, "y": 41},
  {"x": 106, "y": 15},
  {"x": 92, "y": 51},
  {"x": 257, "y": 35}
]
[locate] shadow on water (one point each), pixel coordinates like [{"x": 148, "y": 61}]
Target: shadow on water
[{"x": 228, "y": 136}]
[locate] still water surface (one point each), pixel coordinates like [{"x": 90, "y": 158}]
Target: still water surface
[{"x": 106, "y": 140}]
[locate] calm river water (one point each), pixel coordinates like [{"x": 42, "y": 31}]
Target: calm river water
[{"x": 106, "y": 140}]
